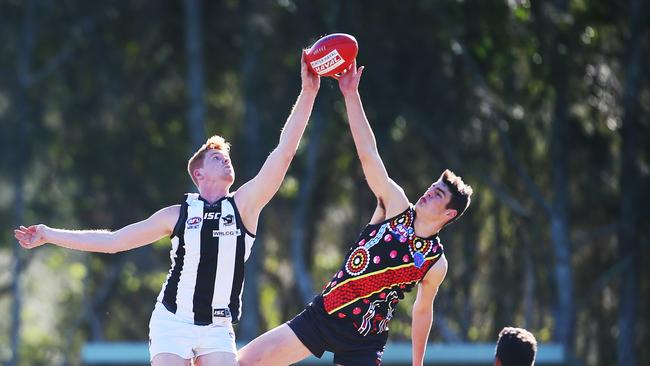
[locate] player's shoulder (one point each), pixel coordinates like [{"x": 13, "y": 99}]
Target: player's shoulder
[
  {"x": 166, "y": 215},
  {"x": 168, "y": 210},
  {"x": 172, "y": 210},
  {"x": 438, "y": 271},
  {"x": 240, "y": 198},
  {"x": 442, "y": 263},
  {"x": 165, "y": 218}
]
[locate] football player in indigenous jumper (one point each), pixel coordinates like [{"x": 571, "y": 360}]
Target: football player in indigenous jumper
[
  {"x": 212, "y": 233},
  {"x": 398, "y": 250}
]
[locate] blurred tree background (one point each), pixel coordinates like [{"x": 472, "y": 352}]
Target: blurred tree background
[{"x": 543, "y": 106}]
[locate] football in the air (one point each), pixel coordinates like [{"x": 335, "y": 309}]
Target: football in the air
[{"x": 332, "y": 54}]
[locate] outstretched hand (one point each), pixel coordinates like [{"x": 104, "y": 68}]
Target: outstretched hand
[
  {"x": 310, "y": 81},
  {"x": 30, "y": 237},
  {"x": 349, "y": 79}
]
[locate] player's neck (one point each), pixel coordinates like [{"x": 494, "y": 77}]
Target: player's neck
[
  {"x": 426, "y": 227},
  {"x": 213, "y": 193}
]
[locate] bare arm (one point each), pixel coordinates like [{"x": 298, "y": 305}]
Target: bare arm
[
  {"x": 256, "y": 193},
  {"x": 386, "y": 190},
  {"x": 422, "y": 316},
  {"x": 158, "y": 225}
]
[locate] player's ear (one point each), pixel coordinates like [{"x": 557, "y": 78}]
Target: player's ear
[
  {"x": 197, "y": 173},
  {"x": 451, "y": 213}
]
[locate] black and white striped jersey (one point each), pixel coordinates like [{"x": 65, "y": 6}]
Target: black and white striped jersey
[{"x": 209, "y": 247}]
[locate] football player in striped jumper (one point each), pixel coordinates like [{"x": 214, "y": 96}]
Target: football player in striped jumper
[
  {"x": 398, "y": 250},
  {"x": 212, "y": 233}
]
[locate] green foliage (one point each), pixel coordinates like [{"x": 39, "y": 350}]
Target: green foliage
[{"x": 464, "y": 85}]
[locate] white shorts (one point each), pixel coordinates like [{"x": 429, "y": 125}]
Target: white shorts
[{"x": 168, "y": 333}]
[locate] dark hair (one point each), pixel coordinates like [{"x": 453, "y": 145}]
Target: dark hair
[
  {"x": 461, "y": 193},
  {"x": 516, "y": 347}
]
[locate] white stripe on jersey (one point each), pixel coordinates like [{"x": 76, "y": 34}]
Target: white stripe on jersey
[
  {"x": 226, "y": 258},
  {"x": 249, "y": 246},
  {"x": 192, "y": 238}
]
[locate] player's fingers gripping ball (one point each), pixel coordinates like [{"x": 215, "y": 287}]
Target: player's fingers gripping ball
[{"x": 332, "y": 54}]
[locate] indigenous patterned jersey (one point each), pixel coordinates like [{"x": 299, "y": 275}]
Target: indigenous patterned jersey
[{"x": 387, "y": 260}]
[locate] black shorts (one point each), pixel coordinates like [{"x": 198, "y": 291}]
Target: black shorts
[{"x": 320, "y": 333}]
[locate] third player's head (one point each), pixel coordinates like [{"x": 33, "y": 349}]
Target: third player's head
[
  {"x": 515, "y": 347},
  {"x": 445, "y": 200},
  {"x": 211, "y": 163}
]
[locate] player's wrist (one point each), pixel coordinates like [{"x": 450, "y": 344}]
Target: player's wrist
[
  {"x": 309, "y": 91},
  {"x": 350, "y": 93},
  {"x": 46, "y": 233}
]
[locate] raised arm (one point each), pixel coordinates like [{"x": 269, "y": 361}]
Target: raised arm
[
  {"x": 158, "y": 225},
  {"x": 422, "y": 315},
  {"x": 387, "y": 191},
  {"x": 256, "y": 193}
]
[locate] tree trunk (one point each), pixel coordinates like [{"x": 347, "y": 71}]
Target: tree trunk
[
  {"x": 628, "y": 238},
  {"x": 303, "y": 211},
  {"x": 250, "y": 323},
  {"x": 21, "y": 140},
  {"x": 563, "y": 274},
  {"x": 529, "y": 283},
  {"x": 194, "y": 49},
  {"x": 19, "y": 208},
  {"x": 565, "y": 308}
]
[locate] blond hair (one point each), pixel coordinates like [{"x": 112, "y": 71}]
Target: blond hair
[{"x": 196, "y": 161}]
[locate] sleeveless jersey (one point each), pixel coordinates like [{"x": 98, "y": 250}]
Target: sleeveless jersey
[
  {"x": 386, "y": 261},
  {"x": 209, "y": 247}
]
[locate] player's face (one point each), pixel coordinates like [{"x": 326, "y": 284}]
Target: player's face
[
  {"x": 217, "y": 166},
  {"x": 434, "y": 201}
]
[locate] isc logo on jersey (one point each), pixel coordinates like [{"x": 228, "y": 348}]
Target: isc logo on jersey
[{"x": 212, "y": 215}]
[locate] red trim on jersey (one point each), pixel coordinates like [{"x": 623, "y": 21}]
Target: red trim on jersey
[{"x": 363, "y": 286}]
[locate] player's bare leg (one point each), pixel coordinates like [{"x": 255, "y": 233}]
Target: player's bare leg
[
  {"x": 169, "y": 359},
  {"x": 217, "y": 358},
  {"x": 279, "y": 346}
]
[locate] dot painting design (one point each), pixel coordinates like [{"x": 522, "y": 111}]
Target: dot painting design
[
  {"x": 357, "y": 289},
  {"x": 358, "y": 261},
  {"x": 376, "y": 238},
  {"x": 362, "y": 285},
  {"x": 402, "y": 228},
  {"x": 360, "y": 257},
  {"x": 418, "y": 245}
]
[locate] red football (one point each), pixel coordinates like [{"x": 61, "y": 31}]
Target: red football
[{"x": 332, "y": 54}]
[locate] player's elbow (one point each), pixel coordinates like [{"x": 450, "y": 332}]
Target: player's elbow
[
  {"x": 113, "y": 243},
  {"x": 285, "y": 154},
  {"x": 367, "y": 155}
]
